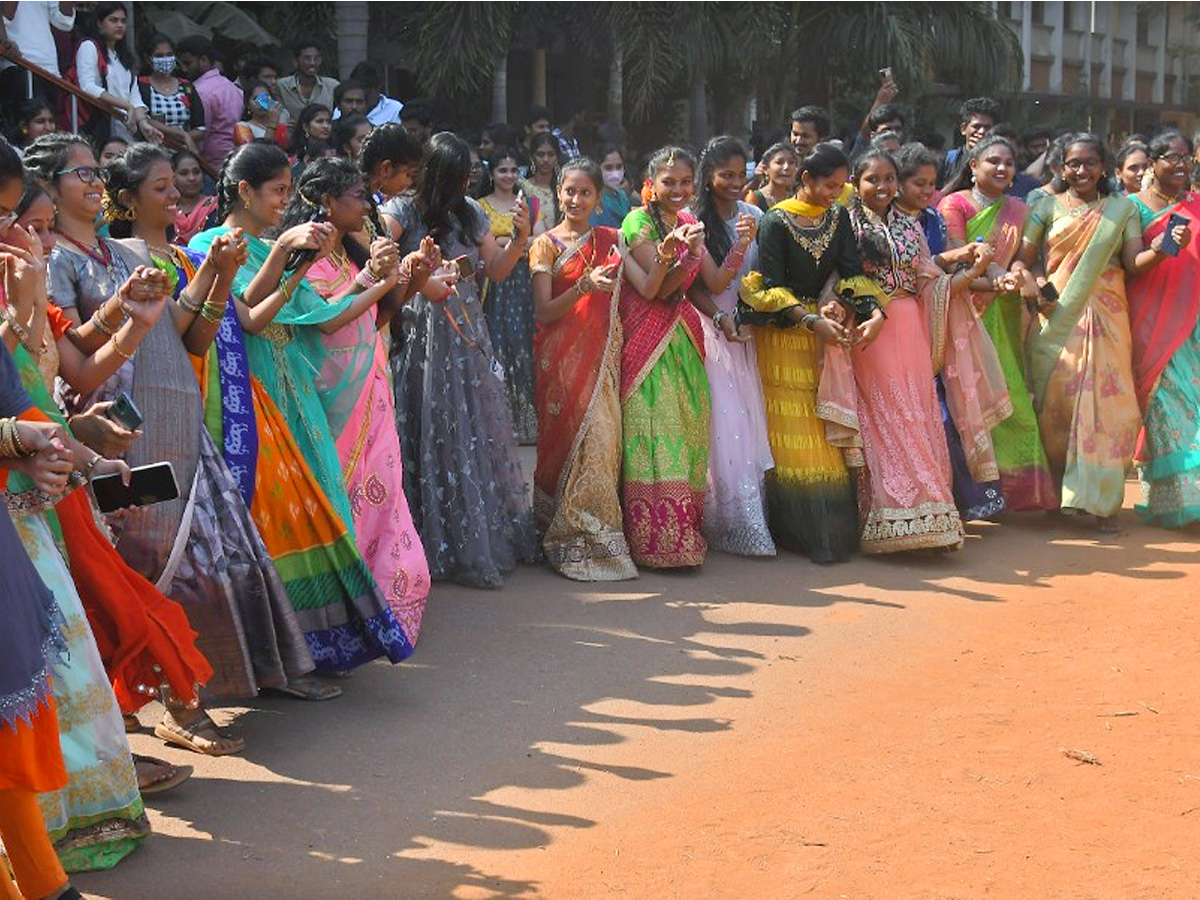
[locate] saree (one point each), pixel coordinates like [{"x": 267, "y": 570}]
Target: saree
[
  {"x": 143, "y": 637},
  {"x": 462, "y": 471},
  {"x": 906, "y": 500},
  {"x": 369, "y": 449},
  {"x": 508, "y": 305},
  {"x": 1080, "y": 362},
  {"x": 305, "y": 528},
  {"x": 1164, "y": 314},
  {"x": 202, "y": 549},
  {"x": 97, "y": 818},
  {"x": 1025, "y": 478},
  {"x": 578, "y": 362},
  {"x": 665, "y": 409}
]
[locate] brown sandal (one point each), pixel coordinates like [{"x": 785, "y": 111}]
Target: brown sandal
[{"x": 192, "y": 737}]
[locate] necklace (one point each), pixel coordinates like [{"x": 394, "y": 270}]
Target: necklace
[
  {"x": 909, "y": 211},
  {"x": 338, "y": 257},
  {"x": 981, "y": 198},
  {"x": 166, "y": 251},
  {"x": 1169, "y": 201},
  {"x": 100, "y": 254}
]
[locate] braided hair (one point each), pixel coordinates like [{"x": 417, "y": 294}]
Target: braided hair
[
  {"x": 255, "y": 163},
  {"x": 48, "y": 155},
  {"x": 127, "y": 173},
  {"x": 719, "y": 151},
  {"x": 332, "y": 177}
]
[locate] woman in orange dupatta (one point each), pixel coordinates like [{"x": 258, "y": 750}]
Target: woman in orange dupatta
[
  {"x": 577, "y": 360},
  {"x": 1083, "y": 241},
  {"x": 1164, "y": 317}
]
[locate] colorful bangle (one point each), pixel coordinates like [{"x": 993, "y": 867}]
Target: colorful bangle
[
  {"x": 213, "y": 312},
  {"x": 185, "y": 300},
  {"x": 733, "y": 260},
  {"x": 101, "y": 323}
]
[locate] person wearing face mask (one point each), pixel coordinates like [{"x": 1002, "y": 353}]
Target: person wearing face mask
[
  {"x": 614, "y": 203},
  {"x": 171, "y": 99}
]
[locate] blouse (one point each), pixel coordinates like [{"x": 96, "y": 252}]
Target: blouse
[{"x": 118, "y": 80}]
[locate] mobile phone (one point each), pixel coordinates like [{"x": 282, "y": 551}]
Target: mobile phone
[
  {"x": 1049, "y": 293},
  {"x": 148, "y": 485},
  {"x": 614, "y": 256},
  {"x": 1169, "y": 246},
  {"x": 464, "y": 266},
  {"x": 298, "y": 258},
  {"x": 125, "y": 412},
  {"x": 263, "y": 101},
  {"x": 885, "y": 72}
]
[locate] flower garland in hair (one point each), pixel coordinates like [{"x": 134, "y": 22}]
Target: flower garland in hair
[{"x": 113, "y": 211}]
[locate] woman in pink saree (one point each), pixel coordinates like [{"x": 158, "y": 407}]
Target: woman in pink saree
[
  {"x": 1082, "y": 242},
  {"x": 1164, "y": 318}
]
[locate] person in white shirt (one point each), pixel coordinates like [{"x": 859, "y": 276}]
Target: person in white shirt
[
  {"x": 28, "y": 27},
  {"x": 111, "y": 77},
  {"x": 381, "y": 109}
]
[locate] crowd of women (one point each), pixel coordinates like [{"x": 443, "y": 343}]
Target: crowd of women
[{"x": 340, "y": 359}]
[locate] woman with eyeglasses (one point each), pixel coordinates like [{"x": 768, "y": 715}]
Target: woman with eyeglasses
[
  {"x": 1077, "y": 248},
  {"x": 260, "y": 119},
  {"x": 1164, "y": 317},
  {"x": 201, "y": 549}
]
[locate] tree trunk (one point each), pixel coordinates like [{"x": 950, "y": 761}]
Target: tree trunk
[
  {"x": 698, "y": 128},
  {"x": 616, "y": 85},
  {"x": 539, "y": 76},
  {"x": 500, "y": 90}
]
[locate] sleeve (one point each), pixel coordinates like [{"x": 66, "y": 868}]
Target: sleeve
[
  {"x": 13, "y": 399},
  {"x": 196, "y": 111},
  {"x": 849, "y": 263},
  {"x": 87, "y": 69},
  {"x": 1133, "y": 226},
  {"x": 1037, "y": 220},
  {"x": 762, "y": 292},
  {"x": 59, "y": 19},
  {"x": 638, "y": 228},
  {"x": 58, "y": 322},
  {"x": 955, "y": 218},
  {"x": 133, "y": 94},
  {"x": 542, "y": 254},
  {"x": 64, "y": 281}
]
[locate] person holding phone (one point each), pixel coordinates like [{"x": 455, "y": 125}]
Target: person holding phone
[
  {"x": 261, "y": 117},
  {"x": 509, "y": 303},
  {"x": 735, "y": 512},
  {"x": 1164, "y": 319},
  {"x": 462, "y": 473},
  {"x": 1078, "y": 246},
  {"x": 577, "y": 349}
]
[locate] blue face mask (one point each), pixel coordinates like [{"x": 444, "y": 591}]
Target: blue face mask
[{"x": 163, "y": 65}]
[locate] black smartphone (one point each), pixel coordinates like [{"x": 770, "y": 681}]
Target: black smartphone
[
  {"x": 1049, "y": 293},
  {"x": 148, "y": 485},
  {"x": 125, "y": 412},
  {"x": 298, "y": 258},
  {"x": 1169, "y": 246}
]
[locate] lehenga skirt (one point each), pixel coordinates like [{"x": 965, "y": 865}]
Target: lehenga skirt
[
  {"x": 735, "y": 510},
  {"x": 509, "y": 308},
  {"x": 905, "y": 498},
  {"x": 1169, "y": 462},
  {"x": 98, "y": 818},
  {"x": 665, "y": 467},
  {"x": 1025, "y": 478},
  {"x": 811, "y": 504},
  {"x": 462, "y": 473}
]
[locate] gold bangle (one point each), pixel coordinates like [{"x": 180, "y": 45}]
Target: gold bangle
[
  {"x": 188, "y": 303},
  {"x": 121, "y": 353},
  {"x": 101, "y": 324},
  {"x": 8, "y": 428},
  {"x": 212, "y": 312}
]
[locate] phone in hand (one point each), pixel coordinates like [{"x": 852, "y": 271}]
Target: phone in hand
[
  {"x": 298, "y": 258},
  {"x": 614, "y": 257},
  {"x": 1169, "y": 247},
  {"x": 464, "y": 266},
  {"x": 148, "y": 485},
  {"x": 125, "y": 412}
]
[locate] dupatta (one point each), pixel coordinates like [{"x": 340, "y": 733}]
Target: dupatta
[
  {"x": 1077, "y": 251},
  {"x": 650, "y": 322},
  {"x": 1164, "y": 303},
  {"x": 571, "y": 354}
]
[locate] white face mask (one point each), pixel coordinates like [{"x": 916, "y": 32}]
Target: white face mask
[
  {"x": 164, "y": 65},
  {"x": 614, "y": 177}
]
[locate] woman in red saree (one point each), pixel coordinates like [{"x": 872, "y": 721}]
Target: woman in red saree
[
  {"x": 577, "y": 360},
  {"x": 1164, "y": 318}
]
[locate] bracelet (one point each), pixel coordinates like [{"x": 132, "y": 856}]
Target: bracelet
[
  {"x": 662, "y": 258},
  {"x": 101, "y": 324},
  {"x": 285, "y": 289},
  {"x": 91, "y": 465},
  {"x": 7, "y": 430},
  {"x": 585, "y": 285},
  {"x": 718, "y": 317},
  {"x": 366, "y": 279},
  {"x": 185, "y": 300},
  {"x": 809, "y": 321},
  {"x": 18, "y": 329},
  {"x": 121, "y": 353},
  {"x": 213, "y": 312},
  {"x": 733, "y": 260}
]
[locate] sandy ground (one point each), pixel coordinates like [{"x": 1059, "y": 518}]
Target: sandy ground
[{"x": 888, "y": 728}]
